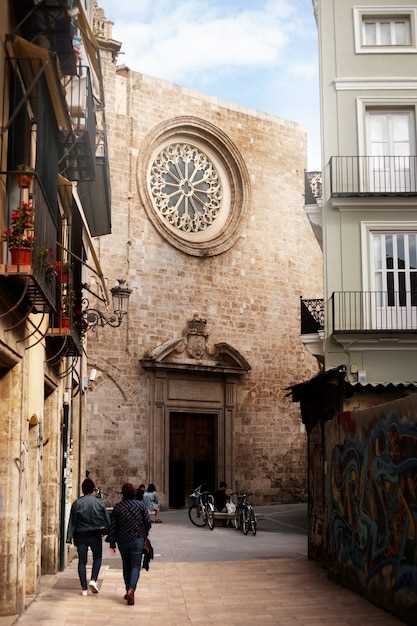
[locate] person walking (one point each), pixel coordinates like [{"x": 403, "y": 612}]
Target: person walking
[
  {"x": 88, "y": 522},
  {"x": 151, "y": 501},
  {"x": 129, "y": 528}
]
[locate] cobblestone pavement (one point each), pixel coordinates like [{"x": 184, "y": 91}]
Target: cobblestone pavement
[{"x": 205, "y": 589}]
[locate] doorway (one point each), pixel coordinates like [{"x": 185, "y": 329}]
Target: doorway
[{"x": 192, "y": 454}]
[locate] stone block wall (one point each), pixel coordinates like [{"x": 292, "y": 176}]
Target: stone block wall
[{"x": 249, "y": 294}]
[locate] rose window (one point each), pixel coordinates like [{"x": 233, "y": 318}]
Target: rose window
[{"x": 186, "y": 187}]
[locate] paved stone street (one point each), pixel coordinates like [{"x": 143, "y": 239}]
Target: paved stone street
[{"x": 220, "y": 577}]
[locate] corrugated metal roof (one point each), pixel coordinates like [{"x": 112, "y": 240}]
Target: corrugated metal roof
[{"x": 383, "y": 386}]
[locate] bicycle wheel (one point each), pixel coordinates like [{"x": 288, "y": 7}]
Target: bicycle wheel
[
  {"x": 210, "y": 516},
  {"x": 245, "y": 522},
  {"x": 197, "y": 515},
  {"x": 253, "y": 522}
]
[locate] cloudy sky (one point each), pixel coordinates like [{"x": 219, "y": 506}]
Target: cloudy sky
[{"x": 258, "y": 53}]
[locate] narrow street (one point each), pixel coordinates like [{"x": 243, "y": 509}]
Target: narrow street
[{"x": 220, "y": 577}]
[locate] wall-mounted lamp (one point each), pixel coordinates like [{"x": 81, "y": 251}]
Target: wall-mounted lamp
[{"x": 120, "y": 300}]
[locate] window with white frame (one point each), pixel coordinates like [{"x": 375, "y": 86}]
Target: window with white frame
[
  {"x": 391, "y": 148},
  {"x": 394, "y": 266},
  {"x": 391, "y": 31},
  {"x": 392, "y": 300},
  {"x": 385, "y": 29}
]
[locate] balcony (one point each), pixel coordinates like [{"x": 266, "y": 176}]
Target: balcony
[
  {"x": 50, "y": 24},
  {"x": 368, "y": 176},
  {"x": 312, "y": 315},
  {"x": 312, "y": 325},
  {"x": 66, "y": 323},
  {"x": 374, "y": 312},
  {"x": 80, "y": 160},
  {"x": 36, "y": 274}
]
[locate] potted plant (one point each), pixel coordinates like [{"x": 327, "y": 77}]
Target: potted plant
[
  {"x": 62, "y": 271},
  {"x": 19, "y": 236},
  {"x": 67, "y": 305},
  {"x": 24, "y": 176},
  {"x": 80, "y": 323}
]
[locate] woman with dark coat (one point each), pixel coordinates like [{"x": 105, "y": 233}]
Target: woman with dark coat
[{"x": 130, "y": 525}]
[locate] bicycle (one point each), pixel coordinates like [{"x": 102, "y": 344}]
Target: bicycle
[
  {"x": 201, "y": 511},
  {"x": 245, "y": 515}
]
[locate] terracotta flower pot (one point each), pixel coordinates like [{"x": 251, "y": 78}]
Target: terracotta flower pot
[
  {"x": 65, "y": 322},
  {"x": 62, "y": 272},
  {"x": 24, "y": 180},
  {"x": 21, "y": 256}
]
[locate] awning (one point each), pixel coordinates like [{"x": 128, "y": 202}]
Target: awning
[
  {"x": 37, "y": 57},
  {"x": 69, "y": 197},
  {"x": 90, "y": 242},
  {"x": 96, "y": 199},
  {"x": 65, "y": 194}
]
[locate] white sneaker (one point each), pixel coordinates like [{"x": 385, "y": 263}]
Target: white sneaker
[
  {"x": 84, "y": 592},
  {"x": 93, "y": 586}
]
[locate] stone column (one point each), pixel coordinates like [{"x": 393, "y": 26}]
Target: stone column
[
  {"x": 51, "y": 481},
  {"x": 158, "y": 452},
  {"x": 12, "y": 467},
  {"x": 229, "y": 407}
]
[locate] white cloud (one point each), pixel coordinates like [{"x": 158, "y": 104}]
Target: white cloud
[{"x": 171, "y": 40}]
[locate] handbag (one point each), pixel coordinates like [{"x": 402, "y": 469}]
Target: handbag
[{"x": 147, "y": 554}]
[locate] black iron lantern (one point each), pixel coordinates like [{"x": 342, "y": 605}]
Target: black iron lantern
[
  {"x": 120, "y": 296},
  {"x": 120, "y": 303}
]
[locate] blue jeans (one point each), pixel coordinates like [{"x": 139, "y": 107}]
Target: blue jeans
[
  {"x": 95, "y": 542},
  {"x": 131, "y": 554}
]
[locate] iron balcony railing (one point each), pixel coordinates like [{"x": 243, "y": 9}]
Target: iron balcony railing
[
  {"x": 44, "y": 232},
  {"x": 374, "y": 311},
  {"x": 45, "y": 238},
  {"x": 373, "y": 175},
  {"x": 312, "y": 315},
  {"x": 81, "y": 146}
]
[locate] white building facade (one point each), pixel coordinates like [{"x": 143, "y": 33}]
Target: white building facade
[{"x": 368, "y": 55}]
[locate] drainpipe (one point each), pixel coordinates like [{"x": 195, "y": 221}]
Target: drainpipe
[{"x": 64, "y": 466}]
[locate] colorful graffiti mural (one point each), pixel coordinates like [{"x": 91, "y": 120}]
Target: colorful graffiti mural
[{"x": 372, "y": 517}]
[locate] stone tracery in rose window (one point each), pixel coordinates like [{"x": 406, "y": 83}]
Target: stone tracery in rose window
[{"x": 186, "y": 187}]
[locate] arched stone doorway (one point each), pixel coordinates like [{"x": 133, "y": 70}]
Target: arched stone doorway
[{"x": 192, "y": 405}]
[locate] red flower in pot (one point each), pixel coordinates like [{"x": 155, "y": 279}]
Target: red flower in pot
[{"x": 19, "y": 236}]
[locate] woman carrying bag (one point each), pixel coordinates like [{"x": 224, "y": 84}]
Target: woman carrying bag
[{"x": 129, "y": 528}]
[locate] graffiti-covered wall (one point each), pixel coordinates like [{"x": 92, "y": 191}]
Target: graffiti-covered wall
[{"x": 371, "y": 503}]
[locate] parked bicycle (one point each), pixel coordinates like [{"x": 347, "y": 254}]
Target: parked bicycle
[
  {"x": 201, "y": 511},
  {"x": 245, "y": 519}
]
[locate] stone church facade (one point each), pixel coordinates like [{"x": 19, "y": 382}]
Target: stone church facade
[{"x": 210, "y": 233}]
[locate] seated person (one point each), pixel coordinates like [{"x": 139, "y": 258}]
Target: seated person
[
  {"x": 221, "y": 497},
  {"x": 140, "y": 491},
  {"x": 151, "y": 501}
]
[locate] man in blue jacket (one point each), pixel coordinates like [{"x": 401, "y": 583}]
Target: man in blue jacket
[{"x": 88, "y": 522}]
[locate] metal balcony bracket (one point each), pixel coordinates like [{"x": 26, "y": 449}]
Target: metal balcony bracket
[
  {"x": 42, "y": 334},
  {"x": 77, "y": 384},
  {"x": 20, "y": 321},
  {"x": 69, "y": 370},
  {"x": 19, "y": 301},
  {"x": 58, "y": 353},
  {"x": 33, "y": 289}
]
